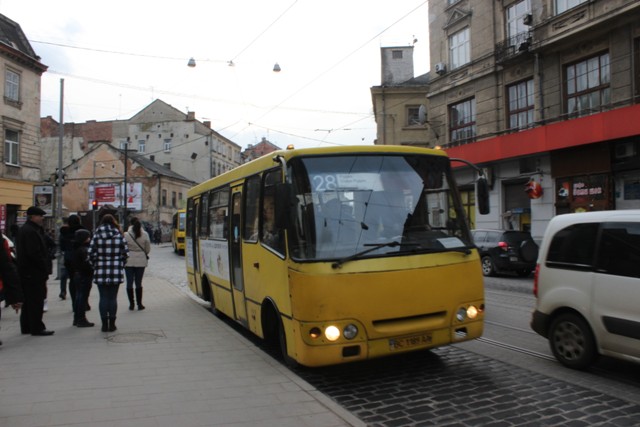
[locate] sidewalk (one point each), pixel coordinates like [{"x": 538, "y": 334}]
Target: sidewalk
[{"x": 173, "y": 364}]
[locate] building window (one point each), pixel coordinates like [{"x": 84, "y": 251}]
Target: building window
[
  {"x": 174, "y": 199},
  {"x": 12, "y": 86},
  {"x": 564, "y": 5},
  {"x": 396, "y": 54},
  {"x": 459, "y": 52},
  {"x": 124, "y": 145},
  {"x": 11, "y": 147},
  {"x": 141, "y": 146},
  {"x": 462, "y": 121},
  {"x": 413, "y": 115},
  {"x": 167, "y": 165},
  {"x": 587, "y": 85},
  {"x": 520, "y": 104},
  {"x": 167, "y": 145},
  {"x": 515, "y": 20},
  {"x": 164, "y": 197},
  {"x": 636, "y": 66}
]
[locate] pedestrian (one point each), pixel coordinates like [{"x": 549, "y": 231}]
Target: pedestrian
[
  {"x": 10, "y": 289},
  {"x": 157, "y": 236},
  {"x": 63, "y": 240},
  {"x": 82, "y": 276},
  {"x": 108, "y": 253},
  {"x": 139, "y": 246},
  {"x": 67, "y": 246},
  {"x": 34, "y": 268}
]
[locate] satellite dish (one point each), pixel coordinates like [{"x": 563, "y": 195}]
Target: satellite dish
[{"x": 422, "y": 114}]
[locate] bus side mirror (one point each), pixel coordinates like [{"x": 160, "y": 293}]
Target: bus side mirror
[
  {"x": 482, "y": 195},
  {"x": 282, "y": 205}
]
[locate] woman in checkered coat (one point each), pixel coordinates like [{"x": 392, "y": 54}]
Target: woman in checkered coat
[{"x": 108, "y": 253}]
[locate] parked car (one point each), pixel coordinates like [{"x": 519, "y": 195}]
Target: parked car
[
  {"x": 506, "y": 250},
  {"x": 587, "y": 285}
]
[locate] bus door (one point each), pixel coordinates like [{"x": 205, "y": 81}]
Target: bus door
[
  {"x": 237, "y": 282},
  {"x": 195, "y": 244}
]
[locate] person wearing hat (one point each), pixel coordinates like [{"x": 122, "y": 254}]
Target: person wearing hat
[{"x": 34, "y": 268}]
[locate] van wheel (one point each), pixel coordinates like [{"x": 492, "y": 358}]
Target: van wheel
[
  {"x": 571, "y": 341},
  {"x": 487, "y": 266}
]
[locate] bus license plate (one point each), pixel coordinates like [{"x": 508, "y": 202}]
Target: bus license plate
[{"x": 409, "y": 342}]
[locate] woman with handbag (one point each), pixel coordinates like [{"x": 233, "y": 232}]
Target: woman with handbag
[{"x": 139, "y": 247}]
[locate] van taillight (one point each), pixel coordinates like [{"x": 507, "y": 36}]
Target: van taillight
[
  {"x": 503, "y": 245},
  {"x": 535, "y": 280}
]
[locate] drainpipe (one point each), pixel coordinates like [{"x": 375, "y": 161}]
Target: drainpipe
[{"x": 539, "y": 74}]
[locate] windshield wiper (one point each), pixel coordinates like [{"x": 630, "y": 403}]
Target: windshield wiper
[
  {"x": 374, "y": 246},
  {"x": 464, "y": 250}
]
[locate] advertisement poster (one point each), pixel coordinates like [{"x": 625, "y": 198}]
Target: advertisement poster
[
  {"x": 113, "y": 194},
  {"x": 43, "y": 198}
]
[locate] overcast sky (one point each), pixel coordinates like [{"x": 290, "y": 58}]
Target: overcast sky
[{"x": 116, "y": 57}]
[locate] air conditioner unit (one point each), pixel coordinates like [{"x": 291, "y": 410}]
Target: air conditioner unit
[
  {"x": 441, "y": 68},
  {"x": 625, "y": 150}
]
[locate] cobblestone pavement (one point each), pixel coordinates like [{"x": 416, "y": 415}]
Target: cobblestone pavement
[{"x": 452, "y": 387}]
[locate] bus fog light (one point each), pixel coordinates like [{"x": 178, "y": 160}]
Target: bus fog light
[
  {"x": 315, "y": 333},
  {"x": 461, "y": 314},
  {"x": 472, "y": 312},
  {"x": 350, "y": 331},
  {"x": 332, "y": 333}
]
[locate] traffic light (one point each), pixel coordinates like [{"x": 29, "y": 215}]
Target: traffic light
[{"x": 94, "y": 205}]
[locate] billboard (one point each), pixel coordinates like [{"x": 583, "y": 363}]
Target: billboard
[
  {"x": 112, "y": 194},
  {"x": 43, "y": 198}
]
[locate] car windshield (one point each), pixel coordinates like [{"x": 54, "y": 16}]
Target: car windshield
[{"x": 357, "y": 206}]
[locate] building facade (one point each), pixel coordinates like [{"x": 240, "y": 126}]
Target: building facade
[
  {"x": 399, "y": 102},
  {"x": 543, "y": 94},
  {"x": 20, "y": 121},
  {"x": 159, "y": 132},
  {"x": 118, "y": 180}
]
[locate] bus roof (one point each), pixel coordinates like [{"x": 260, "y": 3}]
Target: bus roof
[{"x": 267, "y": 162}]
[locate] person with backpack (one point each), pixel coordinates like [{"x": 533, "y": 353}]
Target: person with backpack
[{"x": 139, "y": 247}]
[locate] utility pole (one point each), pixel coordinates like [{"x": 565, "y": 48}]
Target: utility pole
[{"x": 59, "y": 175}]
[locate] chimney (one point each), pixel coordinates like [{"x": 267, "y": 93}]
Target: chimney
[
  {"x": 191, "y": 116},
  {"x": 207, "y": 123}
]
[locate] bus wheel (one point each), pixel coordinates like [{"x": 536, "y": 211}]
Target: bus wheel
[{"x": 282, "y": 340}]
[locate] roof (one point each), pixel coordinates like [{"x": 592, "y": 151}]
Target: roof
[
  {"x": 11, "y": 34},
  {"x": 155, "y": 167}
]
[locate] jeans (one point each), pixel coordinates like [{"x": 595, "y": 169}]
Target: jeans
[
  {"x": 83, "y": 287},
  {"x": 64, "y": 276},
  {"x": 134, "y": 275},
  {"x": 108, "y": 300}
]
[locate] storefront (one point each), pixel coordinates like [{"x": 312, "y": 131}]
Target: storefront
[{"x": 15, "y": 198}]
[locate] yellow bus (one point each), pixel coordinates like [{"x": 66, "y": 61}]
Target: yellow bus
[
  {"x": 178, "y": 231},
  {"x": 339, "y": 254}
]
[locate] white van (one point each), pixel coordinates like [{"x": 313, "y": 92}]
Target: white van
[{"x": 587, "y": 284}]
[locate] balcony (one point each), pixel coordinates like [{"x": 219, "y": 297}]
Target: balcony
[{"x": 512, "y": 47}]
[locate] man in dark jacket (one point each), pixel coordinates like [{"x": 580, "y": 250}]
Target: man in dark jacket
[
  {"x": 34, "y": 268},
  {"x": 11, "y": 289}
]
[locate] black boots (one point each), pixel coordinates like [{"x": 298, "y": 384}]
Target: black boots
[
  {"x": 84, "y": 323},
  {"x": 130, "y": 295},
  {"x": 139, "y": 298},
  {"x": 109, "y": 324}
]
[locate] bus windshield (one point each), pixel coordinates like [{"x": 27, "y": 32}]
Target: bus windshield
[{"x": 358, "y": 206}]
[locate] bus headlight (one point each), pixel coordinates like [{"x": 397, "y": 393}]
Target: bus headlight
[
  {"x": 472, "y": 312},
  {"x": 350, "y": 331},
  {"x": 332, "y": 333},
  {"x": 461, "y": 314}
]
